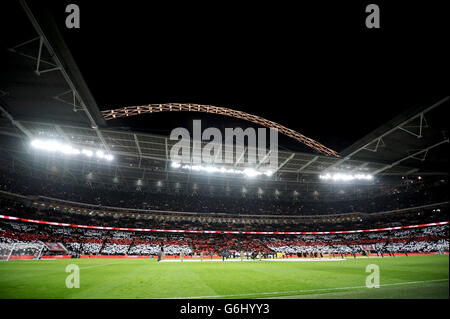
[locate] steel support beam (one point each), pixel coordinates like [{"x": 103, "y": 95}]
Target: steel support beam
[
  {"x": 307, "y": 164},
  {"x": 62, "y": 133},
  {"x": 285, "y": 162},
  {"x": 138, "y": 148},
  {"x": 409, "y": 156},
  {"x": 72, "y": 103},
  {"x": 422, "y": 124},
  {"x": 17, "y": 124},
  {"x": 64, "y": 73},
  {"x": 360, "y": 166},
  {"x": 420, "y": 114},
  {"x": 38, "y": 59},
  {"x": 240, "y": 157},
  {"x": 411, "y": 171},
  {"x": 264, "y": 158}
]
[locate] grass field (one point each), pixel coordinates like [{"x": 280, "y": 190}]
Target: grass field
[{"x": 400, "y": 277}]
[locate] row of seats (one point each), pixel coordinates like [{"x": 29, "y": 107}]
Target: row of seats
[{"x": 109, "y": 242}]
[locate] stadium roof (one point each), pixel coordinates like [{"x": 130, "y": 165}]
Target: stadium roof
[
  {"x": 41, "y": 81},
  {"x": 149, "y": 152},
  {"x": 417, "y": 138},
  {"x": 44, "y": 94}
]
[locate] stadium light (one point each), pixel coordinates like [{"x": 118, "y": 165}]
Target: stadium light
[
  {"x": 88, "y": 153},
  {"x": 248, "y": 172},
  {"x": 345, "y": 177},
  {"x": 67, "y": 149},
  {"x": 175, "y": 165}
]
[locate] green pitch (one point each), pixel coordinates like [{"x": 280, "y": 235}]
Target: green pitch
[{"x": 400, "y": 277}]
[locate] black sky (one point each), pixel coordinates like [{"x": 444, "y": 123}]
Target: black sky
[{"x": 314, "y": 68}]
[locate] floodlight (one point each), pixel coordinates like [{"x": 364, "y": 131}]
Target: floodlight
[
  {"x": 249, "y": 172},
  {"x": 86, "y": 152},
  {"x": 345, "y": 177},
  {"x": 67, "y": 149},
  {"x": 175, "y": 164},
  {"x": 268, "y": 173}
]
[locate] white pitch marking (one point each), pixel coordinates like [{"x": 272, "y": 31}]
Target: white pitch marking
[
  {"x": 309, "y": 290},
  {"x": 306, "y": 259},
  {"x": 238, "y": 260},
  {"x": 101, "y": 265}
]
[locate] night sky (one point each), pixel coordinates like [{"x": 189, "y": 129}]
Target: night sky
[{"x": 314, "y": 68}]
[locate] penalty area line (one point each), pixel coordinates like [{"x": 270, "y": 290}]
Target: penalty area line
[{"x": 309, "y": 290}]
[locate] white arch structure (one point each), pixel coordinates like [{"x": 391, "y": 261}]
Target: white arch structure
[{"x": 187, "y": 107}]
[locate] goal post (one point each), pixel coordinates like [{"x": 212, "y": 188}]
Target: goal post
[
  {"x": 23, "y": 251},
  {"x": 6, "y": 251}
]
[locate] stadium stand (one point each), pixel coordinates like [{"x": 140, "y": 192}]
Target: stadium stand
[
  {"x": 86, "y": 241},
  {"x": 408, "y": 195},
  {"x": 417, "y": 203}
]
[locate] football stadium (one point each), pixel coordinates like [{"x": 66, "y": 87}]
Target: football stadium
[{"x": 93, "y": 206}]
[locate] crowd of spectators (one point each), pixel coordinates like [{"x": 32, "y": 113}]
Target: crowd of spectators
[
  {"x": 40, "y": 199},
  {"x": 428, "y": 239},
  {"x": 110, "y": 242},
  {"x": 394, "y": 198},
  {"x": 87, "y": 241},
  {"x": 73, "y": 214}
]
